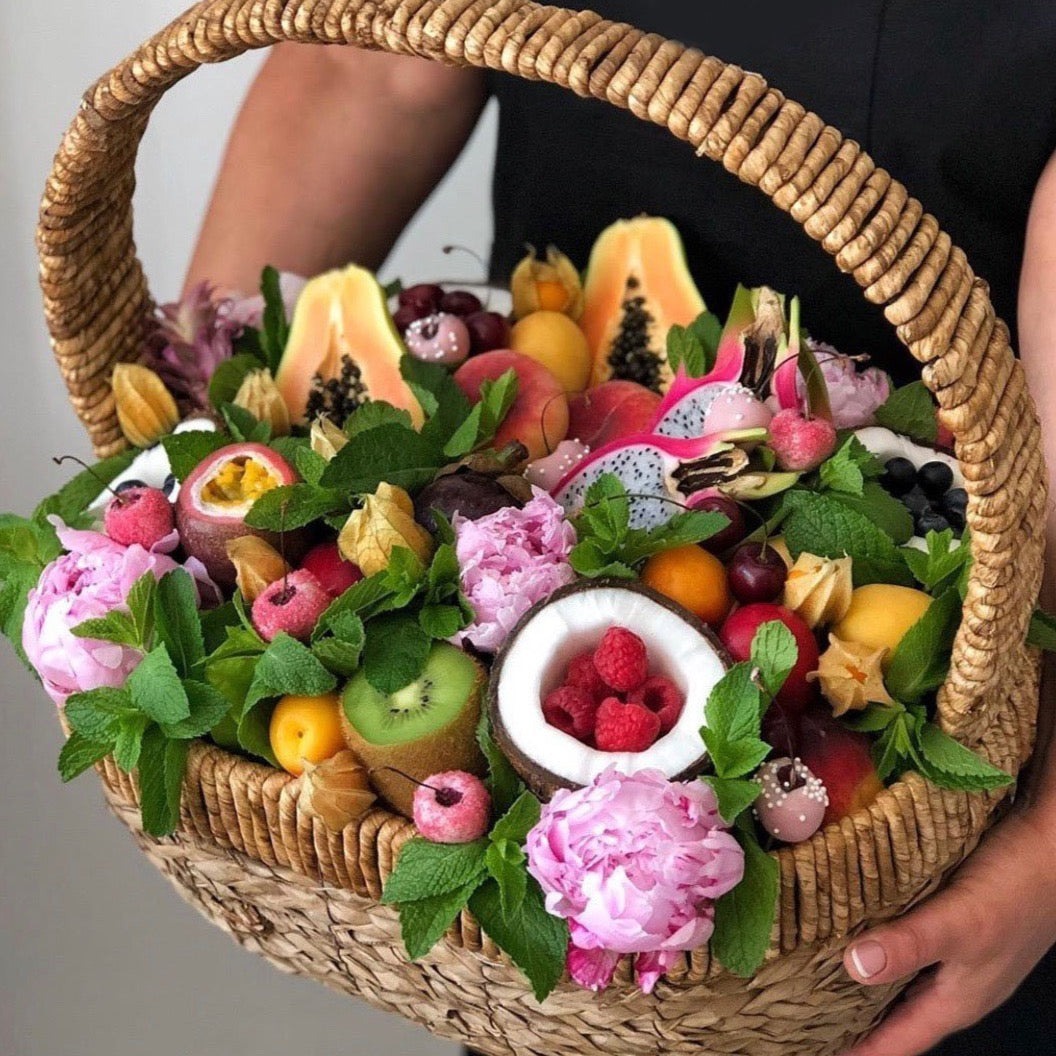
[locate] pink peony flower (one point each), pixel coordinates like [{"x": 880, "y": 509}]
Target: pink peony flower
[
  {"x": 854, "y": 394},
  {"x": 509, "y": 560},
  {"x": 634, "y": 863},
  {"x": 249, "y": 311},
  {"x": 89, "y": 581}
]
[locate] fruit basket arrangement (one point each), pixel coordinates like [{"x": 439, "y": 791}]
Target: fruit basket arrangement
[{"x": 561, "y": 666}]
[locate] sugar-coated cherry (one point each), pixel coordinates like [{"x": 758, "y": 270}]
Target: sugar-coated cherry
[
  {"x": 460, "y": 302},
  {"x": 756, "y": 572},
  {"x": 734, "y": 532},
  {"x": 488, "y": 331},
  {"x": 424, "y": 298}
]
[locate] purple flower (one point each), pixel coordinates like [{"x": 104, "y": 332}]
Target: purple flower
[
  {"x": 89, "y": 581},
  {"x": 634, "y": 863},
  {"x": 854, "y": 394},
  {"x": 509, "y": 560}
]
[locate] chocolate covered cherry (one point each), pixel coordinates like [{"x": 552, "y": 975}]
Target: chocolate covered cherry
[
  {"x": 793, "y": 801},
  {"x": 441, "y": 338}
]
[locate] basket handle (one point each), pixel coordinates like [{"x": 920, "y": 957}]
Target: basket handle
[{"x": 99, "y": 309}]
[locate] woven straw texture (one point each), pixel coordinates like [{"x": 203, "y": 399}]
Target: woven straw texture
[{"x": 305, "y": 898}]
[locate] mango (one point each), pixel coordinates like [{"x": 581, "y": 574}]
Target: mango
[{"x": 879, "y": 616}]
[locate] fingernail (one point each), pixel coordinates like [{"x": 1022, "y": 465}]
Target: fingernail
[{"x": 868, "y": 959}]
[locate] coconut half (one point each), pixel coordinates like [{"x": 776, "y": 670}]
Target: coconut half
[{"x": 570, "y": 622}]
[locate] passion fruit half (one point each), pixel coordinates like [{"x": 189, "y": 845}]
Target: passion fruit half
[
  {"x": 572, "y": 621},
  {"x": 215, "y": 498}
]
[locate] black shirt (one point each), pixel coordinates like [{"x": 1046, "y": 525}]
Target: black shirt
[{"x": 956, "y": 98}]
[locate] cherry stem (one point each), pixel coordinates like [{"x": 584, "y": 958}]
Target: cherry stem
[
  {"x": 413, "y": 780},
  {"x": 84, "y": 465}
]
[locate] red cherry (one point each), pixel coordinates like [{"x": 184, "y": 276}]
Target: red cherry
[
  {"x": 424, "y": 298},
  {"x": 406, "y": 317},
  {"x": 739, "y": 630},
  {"x": 756, "y": 572},
  {"x": 334, "y": 573},
  {"x": 734, "y": 532},
  {"x": 460, "y": 302},
  {"x": 488, "y": 330}
]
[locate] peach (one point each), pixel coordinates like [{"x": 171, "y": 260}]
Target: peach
[
  {"x": 842, "y": 760},
  {"x": 610, "y": 411},
  {"x": 539, "y": 415},
  {"x": 305, "y": 729}
]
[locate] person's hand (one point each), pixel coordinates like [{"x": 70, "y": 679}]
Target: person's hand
[{"x": 984, "y": 933}]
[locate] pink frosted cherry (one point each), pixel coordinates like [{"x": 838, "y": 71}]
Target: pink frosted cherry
[
  {"x": 793, "y": 801},
  {"x": 441, "y": 338},
  {"x": 139, "y": 515},
  {"x": 292, "y": 604},
  {"x": 549, "y": 471},
  {"x": 334, "y": 573},
  {"x": 801, "y": 443},
  {"x": 736, "y": 408},
  {"x": 452, "y": 807}
]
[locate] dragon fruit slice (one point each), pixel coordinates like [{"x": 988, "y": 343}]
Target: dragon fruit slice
[
  {"x": 663, "y": 475},
  {"x": 754, "y": 347}
]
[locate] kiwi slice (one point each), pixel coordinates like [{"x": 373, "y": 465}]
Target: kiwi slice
[{"x": 427, "y": 727}]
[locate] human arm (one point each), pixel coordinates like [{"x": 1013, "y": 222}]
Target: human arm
[
  {"x": 997, "y": 917},
  {"x": 332, "y": 153}
]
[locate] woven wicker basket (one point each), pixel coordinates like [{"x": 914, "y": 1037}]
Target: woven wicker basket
[{"x": 305, "y": 898}]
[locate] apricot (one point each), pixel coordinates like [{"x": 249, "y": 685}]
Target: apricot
[
  {"x": 305, "y": 729},
  {"x": 555, "y": 341},
  {"x": 879, "y": 616},
  {"x": 693, "y": 578},
  {"x": 539, "y": 415},
  {"x": 610, "y": 411}
]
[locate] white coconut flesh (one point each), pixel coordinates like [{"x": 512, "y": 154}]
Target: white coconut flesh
[
  {"x": 151, "y": 466},
  {"x": 886, "y": 445},
  {"x": 575, "y": 624}
]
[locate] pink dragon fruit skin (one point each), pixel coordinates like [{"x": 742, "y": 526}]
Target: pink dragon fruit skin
[{"x": 662, "y": 475}]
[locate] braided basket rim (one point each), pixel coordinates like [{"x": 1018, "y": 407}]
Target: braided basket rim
[{"x": 98, "y": 309}]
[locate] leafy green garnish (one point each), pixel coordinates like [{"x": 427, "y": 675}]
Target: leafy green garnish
[
  {"x": 186, "y": 450},
  {"x": 228, "y": 377},
  {"x": 481, "y": 424},
  {"x": 942, "y": 565},
  {"x": 275, "y": 329},
  {"x": 910, "y": 410},
  {"x": 694, "y": 347},
  {"x": 920, "y": 663},
  {"x": 294, "y": 506}
]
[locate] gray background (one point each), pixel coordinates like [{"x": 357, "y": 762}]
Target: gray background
[{"x": 98, "y": 955}]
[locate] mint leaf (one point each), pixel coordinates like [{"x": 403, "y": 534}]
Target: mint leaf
[
  {"x": 129, "y": 741},
  {"x": 156, "y": 688},
  {"x": 374, "y": 413},
  {"x": 207, "y": 707},
  {"x": 849, "y": 468},
  {"x": 534, "y": 940},
  {"x": 1041, "y": 634},
  {"x": 395, "y": 652},
  {"x": 80, "y": 753},
  {"x": 294, "y": 505},
  {"x": 503, "y": 782},
  {"x": 518, "y": 821},
  {"x": 288, "y": 667},
  {"x": 942, "y": 564},
  {"x": 390, "y": 453},
  {"x": 275, "y": 329},
  {"x": 424, "y": 869},
  {"x": 27, "y": 541},
  {"x": 341, "y": 652},
  {"x": 424, "y": 921},
  {"x": 161, "y": 767},
  {"x": 734, "y": 759},
  {"x": 734, "y": 795},
  {"x": 243, "y": 426},
  {"x": 885, "y": 511},
  {"x": 947, "y": 762},
  {"x": 98, "y": 713},
  {"x": 309, "y": 464},
  {"x": 694, "y": 347},
  {"x": 116, "y": 626},
  {"x": 442, "y": 621},
  {"x": 744, "y": 917},
  {"x": 921, "y": 662},
  {"x": 443, "y": 402},
  {"x": 734, "y": 706},
  {"x": 140, "y": 602},
  {"x": 496, "y": 399},
  {"x": 17, "y": 579},
  {"x": 506, "y": 864},
  {"x": 826, "y": 526},
  {"x": 187, "y": 450},
  {"x": 176, "y": 620},
  {"x": 228, "y": 377},
  {"x": 775, "y": 653},
  {"x": 874, "y": 719},
  {"x": 910, "y": 410}
]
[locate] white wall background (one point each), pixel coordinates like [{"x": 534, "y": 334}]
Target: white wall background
[{"x": 98, "y": 955}]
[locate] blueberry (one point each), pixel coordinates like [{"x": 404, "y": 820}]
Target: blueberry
[
  {"x": 931, "y": 521},
  {"x": 170, "y": 483},
  {"x": 899, "y": 476},
  {"x": 954, "y": 505},
  {"x": 126, "y": 484},
  {"x": 935, "y": 478},
  {"x": 916, "y": 501}
]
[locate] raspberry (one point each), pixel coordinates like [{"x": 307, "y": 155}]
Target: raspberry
[
  {"x": 660, "y": 695},
  {"x": 572, "y": 710},
  {"x": 621, "y": 659},
  {"x": 625, "y": 727},
  {"x": 583, "y": 673}
]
